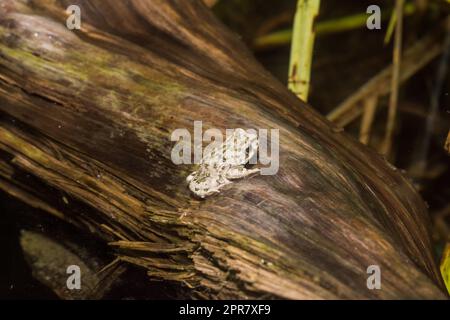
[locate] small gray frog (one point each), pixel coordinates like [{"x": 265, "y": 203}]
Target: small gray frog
[{"x": 224, "y": 163}]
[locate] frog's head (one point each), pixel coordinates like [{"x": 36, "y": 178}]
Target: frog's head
[{"x": 244, "y": 146}]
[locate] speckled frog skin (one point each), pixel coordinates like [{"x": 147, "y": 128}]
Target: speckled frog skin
[{"x": 224, "y": 163}]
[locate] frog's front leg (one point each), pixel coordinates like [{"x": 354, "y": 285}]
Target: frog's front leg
[{"x": 240, "y": 172}]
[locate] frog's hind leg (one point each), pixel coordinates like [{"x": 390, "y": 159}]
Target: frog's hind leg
[
  {"x": 223, "y": 181},
  {"x": 237, "y": 173}
]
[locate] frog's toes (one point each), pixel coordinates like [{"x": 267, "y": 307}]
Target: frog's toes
[
  {"x": 191, "y": 176},
  {"x": 251, "y": 171}
]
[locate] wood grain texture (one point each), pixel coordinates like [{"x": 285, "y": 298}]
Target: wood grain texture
[{"x": 90, "y": 112}]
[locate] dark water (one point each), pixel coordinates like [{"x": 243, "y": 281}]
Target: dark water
[{"x": 16, "y": 281}]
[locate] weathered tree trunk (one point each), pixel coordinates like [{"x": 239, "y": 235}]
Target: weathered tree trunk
[{"x": 88, "y": 114}]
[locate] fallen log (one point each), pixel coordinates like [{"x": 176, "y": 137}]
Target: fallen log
[{"x": 90, "y": 113}]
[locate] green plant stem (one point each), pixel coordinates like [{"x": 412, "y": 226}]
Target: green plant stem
[
  {"x": 302, "y": 47},
  {"x": 347, "y": 23}
]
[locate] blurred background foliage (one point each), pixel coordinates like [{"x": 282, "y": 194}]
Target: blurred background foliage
[{"x": 343, "y": 61}]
